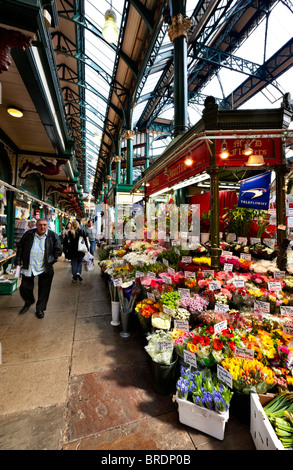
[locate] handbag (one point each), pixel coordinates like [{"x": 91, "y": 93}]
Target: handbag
[{"x": 81, "y": 245}]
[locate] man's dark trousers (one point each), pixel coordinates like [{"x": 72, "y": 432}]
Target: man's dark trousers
[{"x": 26, "y": 289}]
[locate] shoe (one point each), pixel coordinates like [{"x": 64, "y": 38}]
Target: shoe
[
  {"x": 24, "y": 308},
  {"x": 73, "y": 279},
  {"x": 40, "y": 314},
  {"x": 79, "y": 276}
]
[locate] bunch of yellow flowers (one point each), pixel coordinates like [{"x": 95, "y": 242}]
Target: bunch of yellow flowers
[{"x": 249, "y": 375}]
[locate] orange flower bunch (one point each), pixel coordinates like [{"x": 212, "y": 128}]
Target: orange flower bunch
[{"x": 147, "y": 307}]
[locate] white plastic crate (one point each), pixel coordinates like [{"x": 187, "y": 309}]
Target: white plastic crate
[
  {"x": 261, "y": 430},
  {"x": 202, "y": 419}
]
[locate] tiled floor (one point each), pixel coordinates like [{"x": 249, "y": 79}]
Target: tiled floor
[{"x": 70, "y": 381}]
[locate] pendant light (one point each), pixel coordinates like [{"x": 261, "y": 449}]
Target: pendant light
[
  {"x": 224, "y": 150},
  {"x": 110, "y": 30},
  {"x": 255, "y": 160}
]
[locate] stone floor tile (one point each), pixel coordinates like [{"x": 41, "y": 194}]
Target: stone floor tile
[
  {"x": 93, "y": 327},
  {"x": 32, "y": 385},
  {"x": 93, "y": 308},
  {"x": 39, "y": 429},
  {"x": 111, "y": 398},
  {"x": 160, "y": 433},
  {"x": 57, "y": 320}
]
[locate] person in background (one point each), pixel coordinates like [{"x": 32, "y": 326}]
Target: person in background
[
  {"x": 76, "y": 256},
  {"x": 37, "y": 251},
  {"x": 66, "y": 240},
  {"x": 91, "y": 234},
  {"x": 31, "y": 223}
]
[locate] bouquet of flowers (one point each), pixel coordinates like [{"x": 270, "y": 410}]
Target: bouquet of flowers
[
  {"x": 161, "y": 355},
  {"x": 204, "y": 389}
]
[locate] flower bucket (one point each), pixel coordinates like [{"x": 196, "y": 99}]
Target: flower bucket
[
  {"x": 164, "y": 376},
  {"x": 145, "y": 323},
  {"x": 125, "y": 316},
  {"x": 115, "y": 306},
  {"x": 127, "y": 289},
  {"x": 204, "y": 237},
  {"x": 240, "y": 406}
]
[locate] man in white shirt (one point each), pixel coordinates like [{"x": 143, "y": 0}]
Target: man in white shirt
[{"x": 37, "y": 251}]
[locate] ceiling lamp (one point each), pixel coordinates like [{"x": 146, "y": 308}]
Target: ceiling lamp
[
  {"x": 110, "y": 30},
  {"x": 255, "y": 160},
  {"x": 224, "y": 151},
  {"x": 247, "y": 149},
  {"x": 15, "y": 112}
]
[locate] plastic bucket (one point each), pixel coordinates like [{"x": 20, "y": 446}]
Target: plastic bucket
[
  {"x": 127, "y": 291},
  {"x": 164, "y": 376}
]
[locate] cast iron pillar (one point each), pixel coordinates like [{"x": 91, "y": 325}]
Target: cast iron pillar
[
  {"x": 282, "y": 240},
  {"x": 178, "y": 36},
  {"x": 213, "y": 171},
  {"x": 147, "y": 149}
]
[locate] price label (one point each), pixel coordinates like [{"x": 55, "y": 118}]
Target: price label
[
  {"x": 117, "y": 282},
  {"x": 286, "y": 311},
  {"x": 246, "y": 256},
  {"x": 274, "y": 286},
  {"x": 171, "y": 271},
  {"x": 151, "y": 275},
  {"x": 139, "y": 274},
  {"x": 177, "y": 251},
  {"x": 222, "y": 325},
  {"x": 175, "y": 243},
  {"x": 270, "y": 242},
  {"x": 288, "y": 329},
  {"x": 151, "y": 296},
  {"x": 239, "y": 283},
  {"x": 184, "y": 235},
  {"x": 242, "y": 240},
  {"x": 244, "y": 353},
  {"x": 279, "y": 274},
  {"x": 253, "y": 241},
  {"x": 139, "y": 263},
  {"x": 214, "y": 285},
  {"x": 226, "y": 254},
  {"x": 163, "y": 345},
  {"x": 184, "y": 292},
  {"x": 167, "y": 279},
  {"x": 165, "y": 262},
  {"x": 261, "y": 307},
  {"x": 190, "y": 359},
  {"x": 181, "y": 325},
  {"x": 169, "y": 311},
  {"x": 186, "y": 259},
  {"x": 228, "y": 267},
  {"x": 231, "y": 237},
  {"x": 208, "y": 272},
  {"x": 189, "y": 274},
  {"x": 225, "y": 376}
]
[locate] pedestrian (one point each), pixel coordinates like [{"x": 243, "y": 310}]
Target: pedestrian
[
  {"x": 66, "y": 241},
  {"x": 76, "y": 256},
  {"x": 37, "y": 251},
  {"x": 31, "y": 224},
  {"x": 91, "y": 234}
]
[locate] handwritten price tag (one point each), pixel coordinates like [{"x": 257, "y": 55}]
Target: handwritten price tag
[
  {"x": 151, "y": 296},
  {"x": 288, "y": 329},
  {"x": 214, "y": 285},
  {"x": 186, "y": 259},
  {"x": 165, "y": 262},
  {"x": 274, "y": 286},
  {"x": 261, "y": 307},
  {"x": 184, "y": 292},
  {"x": 117, "y": 282},
  {"x": 225, "y": 376},
  {"x": 181, "y": 325},
  {"x": 246, "y": 256},
  {"x": 189, "y": 274},
  {"x": 169, "y": 311},
  {"x": 151, "y": 275},
  {"x": 171, "y": 271},
  {"x": 167, "y": 279},
  {"x": 207, "y": 272},
  {"x": 228, "y": 267},
  {"x": 226, "y": 254},
  {"x": 239, "y": 283},
  {"x": 190, "y": 359},
  {"x": 287, "y": 311},
  {"x": 163, "y": 345},
  {"x": 222, "y": 325},
  {"x": 244, "y": 353}
]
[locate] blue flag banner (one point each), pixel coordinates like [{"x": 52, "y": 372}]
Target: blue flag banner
[{"x": 255, "y": 192}]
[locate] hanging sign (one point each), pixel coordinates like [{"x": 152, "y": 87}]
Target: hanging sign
[{"x": 255, "y": 192}]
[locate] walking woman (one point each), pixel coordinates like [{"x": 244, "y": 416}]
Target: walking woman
[
  {"x": 91, "y": 234},
  {"x": 66, "y": 240},
  {"x": 76, "y": 256}
]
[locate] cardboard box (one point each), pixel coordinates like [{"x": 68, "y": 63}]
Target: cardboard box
[
  {"x": 202, "y": 419},
  {"x": 261, "y": 430}
]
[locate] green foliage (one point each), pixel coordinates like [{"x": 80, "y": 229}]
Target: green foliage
[{"x": 240, "y": 220}]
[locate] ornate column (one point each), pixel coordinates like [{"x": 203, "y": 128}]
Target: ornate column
[
  {"x": 178, "y": 35},
  {"x": 117, "y": 160}
]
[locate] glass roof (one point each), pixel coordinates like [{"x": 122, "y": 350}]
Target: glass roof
[{"x": 266, "y": 39}]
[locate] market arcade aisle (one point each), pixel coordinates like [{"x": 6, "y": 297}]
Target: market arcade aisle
[{"x": 70, "y": 381}]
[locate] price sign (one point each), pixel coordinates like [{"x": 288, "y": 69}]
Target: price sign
[
  {"x": 169, "y": 311},
  {"x": 214, "y": 285},
  {"x": 239, "y": 283},
  {"x": 228, "y": 267},
  {"x": 222, "y": 325},
  {"x": 181, "y": 325},
  {"x": 288, "y": 329},
  {"x": 175, "y": 243},
  {"x": 184, "y": 292},
  {"x": 183, "y": 235},
  {"x": 287, "y": 311},
  {"x": 253, "y": 241},
  {"x": 167, "y": 279},
  {"x": 226, "y": 254},
  {"x": 246, "y": 256},
  {"x": 274, "y": 286},
  {"x": 177, "y": 251},
  {"x": 117, "y": 282},
  {"x": 231, "y": 237},
  {"x": 139, "y": 274},
  {"x": 270, "y": 242},
  {"x": 151, "y": 296},
  {"x": 261, "y": 307},
  {"x": 163, "y": 345},
  {"x": 165, "y": 262},
  {"x": 225, "y": 376},
  {"x": 244, "y": 353},
  {"x": 242, "y": 240},
  {"x": 279, "y": 274},
  {"x": 207, "y": 272},
  {"x": 189, "y": 274},
  {"x": 151, "y": 275},
  {"x": 139, "y": 263},
  {"x": 186, "y": 259},
  {"x": 171, "y": 271},
  {"x": 190, "y": 359}
]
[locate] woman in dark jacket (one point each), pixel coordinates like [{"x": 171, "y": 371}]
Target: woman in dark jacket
[{"x": 74, "y": 255}]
